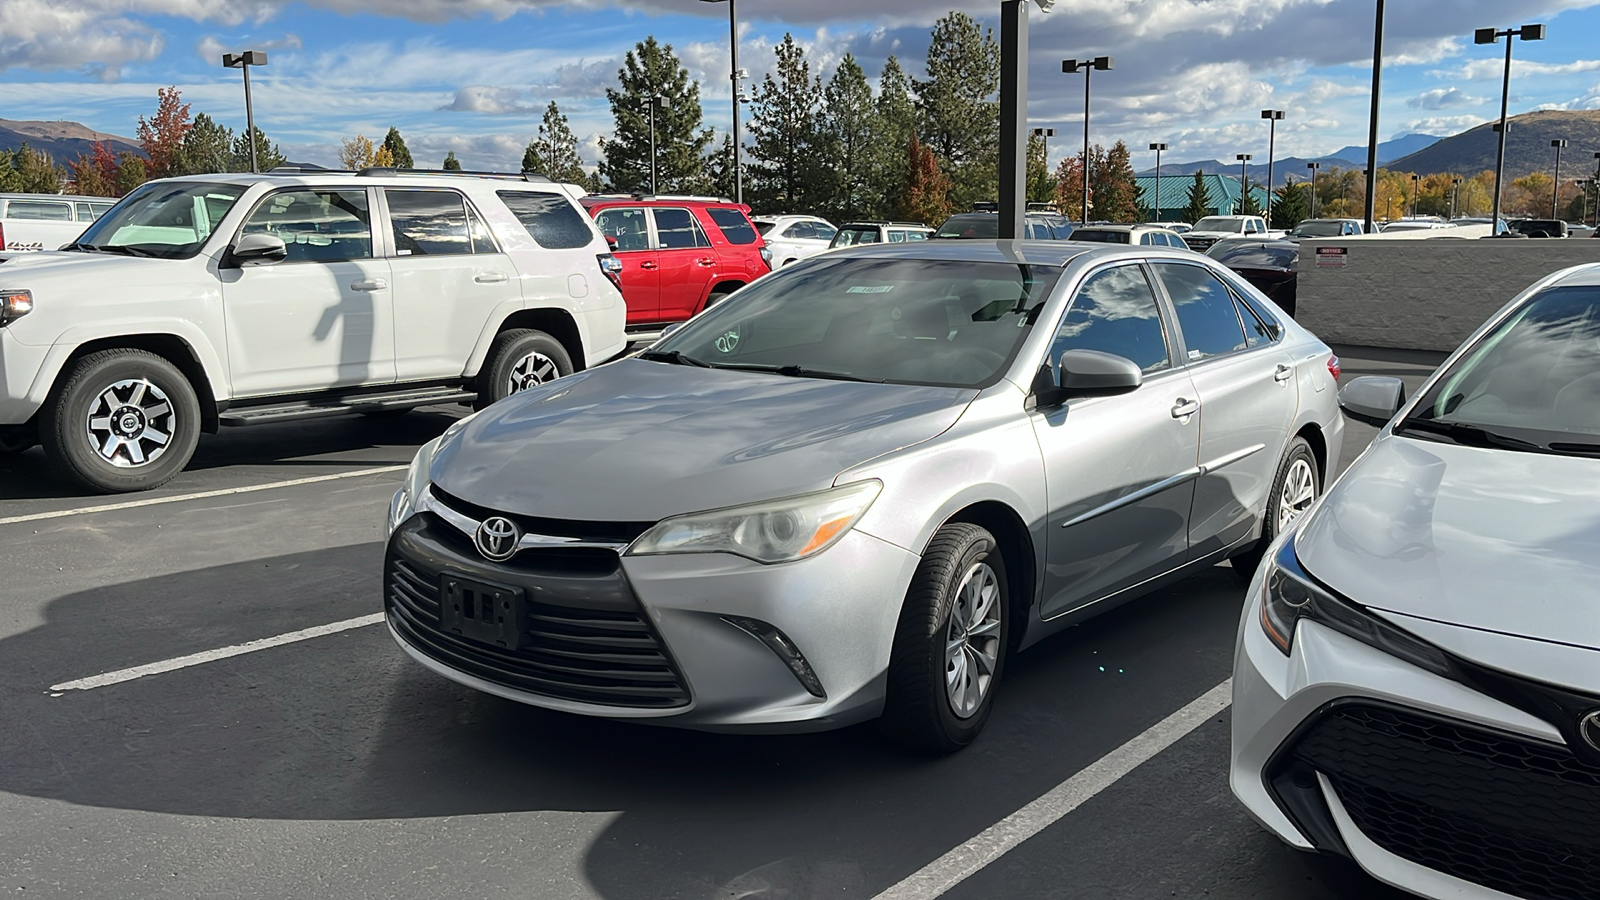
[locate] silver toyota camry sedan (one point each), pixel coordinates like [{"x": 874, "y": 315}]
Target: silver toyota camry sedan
[
  {"x": 1417, "y": 679},
  {"x": 854, "y": 488}
]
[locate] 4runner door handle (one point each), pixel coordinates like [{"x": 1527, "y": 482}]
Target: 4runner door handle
[
  {"x": 370, "y": 284},
  {"x": 491, "y": 278},
  {"x": 648, "y": 265},
  {"x": 1185, "y": 408},
  {"x": 706, "y": 263},
  {"x": 1283, "y": 374}
]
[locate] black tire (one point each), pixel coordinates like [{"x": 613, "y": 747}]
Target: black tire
[
  {"x": 509, "y": 350},
  {"x": 65, "y": 424},
  {"x": 918, "y": 712},
  {"x": 1244, "y": 564},
  {"x": 716, "y": 297}
]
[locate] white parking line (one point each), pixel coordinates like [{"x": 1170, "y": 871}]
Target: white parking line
[
  {"x": 995, "y": 841},
  {"x": 195, "y": 659},
  {"x": 179, "y": 498}
]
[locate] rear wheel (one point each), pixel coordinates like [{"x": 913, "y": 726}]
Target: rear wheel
[
  {"x": 716, "y": 297},
  {"x": 1296, "y": 486},
  {"x": 950, "y": 644},
  {"x": 520, "y": 359},
  {"x": 124, "y": 420}
]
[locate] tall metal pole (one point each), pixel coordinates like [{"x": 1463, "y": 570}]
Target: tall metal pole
[
  {"x": 250, "y": 120},
  {"x": 1500, "y": 151},
  {"x": 1158, "y": 147},
  {"x": 1272, "y": 116},
  {"x": 1555, "y": 190},
  {"x": 1372, "y": 125},
  {"x": 733, "y": 44},
  {"x": 1088, "y": 70},
  {"x": 1013, "y": 119}
]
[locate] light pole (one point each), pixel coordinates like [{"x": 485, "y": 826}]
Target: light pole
[
  {"x": 1273, "y": 116},
  {"x": 1086, "y": 66},
  {"x": 1490, "y": 36},
  {"x": 1455, "y": 192},
  {"x": 1244, "y": 180},
  {"x": 656, "y": 101},
  {"x": 1555, "y": 191},
  {"x": 244, "y": 61},
  {"x": 1415, "y": 181},
  {"x": 1371, "y": 173},
  {"x": 1596, "y": 180},
  {"x": 1313, "y": 166},
  {"x": 1158, "y": 147},
  {"x": 733, "y": 82}
]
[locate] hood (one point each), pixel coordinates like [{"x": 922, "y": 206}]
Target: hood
[
  {"x": 639, "y": 441},
  {"x": 1491, "y": 539},
  {"x": 48, "y": 262}
]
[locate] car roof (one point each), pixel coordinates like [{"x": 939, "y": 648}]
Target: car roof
[
  {"x": 316, "y": 177},
  {"x": 67, "y": 197},
  {"x": 1032, "y": 252},
  {"x": 1586, "y": 275}
]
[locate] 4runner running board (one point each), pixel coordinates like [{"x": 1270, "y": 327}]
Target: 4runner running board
[{"x": 343, "y": 405}]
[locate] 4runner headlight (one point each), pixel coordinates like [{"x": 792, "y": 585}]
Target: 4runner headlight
[
  {"x": 14, "y": 305},
  {"x": 771, "y": 532}
]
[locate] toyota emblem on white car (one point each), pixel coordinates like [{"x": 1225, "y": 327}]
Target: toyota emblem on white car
[{"x": 497, "y": 538}]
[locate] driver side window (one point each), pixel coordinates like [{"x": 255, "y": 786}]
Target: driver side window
[
  {"x": 1115, "y": 312},
  {"x": 316, "y": 225}
]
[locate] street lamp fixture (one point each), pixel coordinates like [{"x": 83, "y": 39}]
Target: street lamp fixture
[
  {"x": 1555, "y": 190},
  {"x": 1490, "y": 36},
  {"x": 1045, "y": 134},
  {"x": 1158, "y": 147},
  {"x": 734, "y": 75},
  {"x": 1244, "y": 179},
  {"x": 1273, "y": 116},
  {"x": 656, "y": 102},
  {"x": 1314, "y": 166},
  {"x": 244, "y": 61},
  {"x": 1086, "y": 66}
]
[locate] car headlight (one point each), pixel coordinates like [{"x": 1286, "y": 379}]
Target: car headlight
[
  {"x": 408, "y": 499},
  {"x": 771, "y": 532},
  {"x": 1289, "y": 595}
]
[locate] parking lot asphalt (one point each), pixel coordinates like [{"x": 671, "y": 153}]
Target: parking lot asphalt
[{"x": 334, "y": 766}]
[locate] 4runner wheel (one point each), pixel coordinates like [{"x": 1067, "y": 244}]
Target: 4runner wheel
[
  {"x": 716, "y": 297},
  {"x": 950, "y": 644},
  {"x": 520, "y": 359},
  {"x": 123, "y": 420},
  {"x": 1294, "y": 489}
]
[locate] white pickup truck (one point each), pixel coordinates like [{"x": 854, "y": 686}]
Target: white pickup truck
[
  {"x": 1211, "y": 229},
  {"x": 221, "y": 300},
  {"x": 46, "y": 221}
]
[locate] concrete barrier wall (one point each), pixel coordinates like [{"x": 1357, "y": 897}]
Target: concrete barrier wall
[{"x": 1420, "y": 294}]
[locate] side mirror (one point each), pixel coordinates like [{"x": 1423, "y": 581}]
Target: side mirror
[
  {"x": 611, "y": 241},
  {"x": 1373, "y": 399},
  {"x": 258, "y": 249},
  {"x": 670, "y": 329},
  {"x": 1091, "y": 373}
]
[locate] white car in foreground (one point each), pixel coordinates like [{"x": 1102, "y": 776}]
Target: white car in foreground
[{"x": 1417, "y": 675}]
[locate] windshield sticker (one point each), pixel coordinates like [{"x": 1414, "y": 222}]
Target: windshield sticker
[
  {"x": 874, "y": 289},
  {"x": 729, "y": 341}
]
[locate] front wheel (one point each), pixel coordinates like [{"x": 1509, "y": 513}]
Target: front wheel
[
  {"x": 1296, "y": 486},
  {"x": 950, "y": 644},
  {"x": 124, "y": 420},
  {"x": 520, "y": 359}
]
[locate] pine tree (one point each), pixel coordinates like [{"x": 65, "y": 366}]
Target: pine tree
[
  {"x": 849, "y": 130},
  {"x": 652, "y": 69},
  {"x": 1292, "y": 204},
  {"x": 29, "y": 171},
  {"x": 1041, "y": 185},
  {"x": 451, "y": 164},
  {"x": 926, "y": 189},
  {"x": 958, "y": 114},
  {"x": 207, "y": 147},
  {"x": 719, "y": 169},
  {"x": 897, "y": 117},
  {"x": 396, "y": 145},
  {"x": 161, "y": 136},
  {"x": 1200, "y": 204},
  {"x": 1113, "y": 185},
  {"x": 268, "y": 156},
  {"x": 131, "y": 172},
  {"x": 1248, "y": 205},
  {"x": 784, "y": 136},
  {"x": 556, "y": 148},
  {"x": 530, "y": 157}
]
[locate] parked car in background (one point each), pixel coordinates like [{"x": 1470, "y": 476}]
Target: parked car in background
[
  {"x": 1415, "y": 223},
  {"x": 1500, "y": 224},
  {"x": 1270, "y": 266},
  {"x": 679, "y": 254},
  {"x": 986, "y": 226},
  {"x": 794, "y": 237},
  {"x": 46, "y": 221},
  {"x": 1137, "y": 235},
  {"x": 1580, "y": 231},
  {"x": 1316, "y": 228},
  {"x": 231, "y": 300},
  {"x": 1540, "y": 228},
  {"x": 854, "y": 233},
  {"x": 1415, "y": 677},
  {"x": 753, "y": 524},
  {"x": 1211, "y": 229},
  {"x": 1177, "y": 227}
]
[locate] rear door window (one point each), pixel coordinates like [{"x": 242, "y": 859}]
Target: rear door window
[
  {"x": 676, "y": 229},
  {"x": 39, "y": 210},
  {"x": 733, "y": 225},
  {"x": 626, "y": 226},
  {"x": 551, "y": 219},
  {"x": 429, "y": 223},
  {"x": 1205, "y": 308}
]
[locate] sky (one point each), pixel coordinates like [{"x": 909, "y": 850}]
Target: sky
[{"x": 473, "y": 76}]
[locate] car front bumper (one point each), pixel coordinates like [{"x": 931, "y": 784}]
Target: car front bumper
[
  {"x": 1421, "y": 780},
  {"x": 654, "y": 638}
]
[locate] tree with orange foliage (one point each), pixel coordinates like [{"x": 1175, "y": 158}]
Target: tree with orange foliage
[
  {"x": 161, "y": 136},
  {"x": 95, "y": 174},
  {"x": 926, "y": 187}
]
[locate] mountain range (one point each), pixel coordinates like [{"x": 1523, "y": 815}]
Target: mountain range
[
  {"x": 1351, "y": 157},
  {"x": 1527, "y": 146},
  {"x": 64, "y": 141}
]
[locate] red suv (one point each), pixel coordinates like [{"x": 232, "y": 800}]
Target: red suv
[{"x": 678, "y": 254}]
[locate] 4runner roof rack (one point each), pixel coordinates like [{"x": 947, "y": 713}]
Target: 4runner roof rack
[{"x": 385, "y": 171}]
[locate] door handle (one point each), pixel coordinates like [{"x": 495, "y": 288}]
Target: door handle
[
  {"x": 1185, "y": 408},
  {"x": 706, "y": 263},
  {"x": 647, "y": 264},
  {"x": 370, "y": 284},
  {"x": 491, "y": 278},
  {"x": 1283, "y": 374}
]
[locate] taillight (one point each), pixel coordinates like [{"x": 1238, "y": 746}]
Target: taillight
[
  {"x": 612, "y": 267},
  {"x": 1333, "y": 367},
  {"x": 766, "y": 257}
]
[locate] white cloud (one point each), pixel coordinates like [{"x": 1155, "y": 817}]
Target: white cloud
[
  {"x": 1443, "y": 98},
  {"x": 1494, "y": 69},
  {"x": 1444, "y": 125},
  {"x": 210, "y": 48},
  {"x": 481, "y": 98}
]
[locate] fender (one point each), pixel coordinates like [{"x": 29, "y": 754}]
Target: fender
[{"x": 213, "y": 361}]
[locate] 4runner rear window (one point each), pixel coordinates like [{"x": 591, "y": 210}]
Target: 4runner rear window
[
  {"x": 553, "y": 223},
  {"x": 733, "y": 224}
]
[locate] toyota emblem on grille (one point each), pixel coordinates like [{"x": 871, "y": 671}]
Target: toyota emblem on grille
[
  {"x": 1589, "y": 727},
  {"x": 497, "y": 538}
]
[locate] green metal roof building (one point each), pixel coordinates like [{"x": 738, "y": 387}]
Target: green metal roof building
[{"x": 1222, "y": 190}]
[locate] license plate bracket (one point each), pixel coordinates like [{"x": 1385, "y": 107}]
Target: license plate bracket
[{"x": 487, "y": 613}]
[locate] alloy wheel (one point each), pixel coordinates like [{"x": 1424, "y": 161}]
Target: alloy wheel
[
  {"x": 972, "y": 640},
  {"x": 532, "y": 370},
  {"x": 131, "y": 423},
  {"x": 1299, "y": 491}
]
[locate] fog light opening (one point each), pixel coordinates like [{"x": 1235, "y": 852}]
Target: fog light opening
[{"x": 779, "y": 643}]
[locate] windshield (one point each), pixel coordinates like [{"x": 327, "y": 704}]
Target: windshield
[
  {"x": 1317, "y": 229},
  {"x": 164, "y": 219},
  {"x": 1535, "y": 379},
  {"x": 908, "y": 321},
  {"x": 981, "y": 226},
  {"x": 1219, "y": 223},
  {"x": 1101, "y": 237}
]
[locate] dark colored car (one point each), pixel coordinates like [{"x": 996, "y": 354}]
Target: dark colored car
[
  {"x": 1539, "y": 228},
  {"x": 679, "y": 254},
  {"x": 1270, "y": 266},
  {"x": 986, "y": 225}
]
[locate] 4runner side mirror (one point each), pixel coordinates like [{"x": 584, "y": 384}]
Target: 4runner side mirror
[{"x": 259, "y": 249}]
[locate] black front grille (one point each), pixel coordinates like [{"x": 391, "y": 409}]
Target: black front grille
[
  {"x": 1495, "y": 809},
  {"x": 583, "y": 636}
]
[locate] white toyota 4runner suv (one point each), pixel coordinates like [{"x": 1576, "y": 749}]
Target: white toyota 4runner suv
[{"x": 222, "y": 300}]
